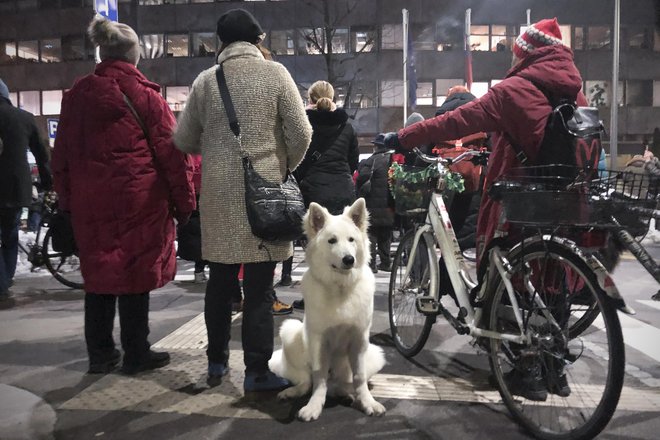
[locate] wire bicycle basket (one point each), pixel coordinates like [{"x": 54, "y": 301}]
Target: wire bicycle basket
[
  {"x": 560, "y": 195},
  {"x": 411, "y": 188}
]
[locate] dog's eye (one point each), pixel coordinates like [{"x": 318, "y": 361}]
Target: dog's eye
[
  {"x": 351, "y": 239},
  {"x": 333, "y": 240}
]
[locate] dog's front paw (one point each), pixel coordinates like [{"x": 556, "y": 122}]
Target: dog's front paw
[
  {"x": 310, "y": 412},
  {"x": 371, "y": 407}
]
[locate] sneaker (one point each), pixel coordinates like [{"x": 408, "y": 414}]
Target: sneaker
[
  {"x": 200, "y": 277},
  {"x": 528, "y": 384},
  {"x": 280, "y": 308},
  {"x": 299, "y": 304},
  {"x": 107, "y": 366},
  {"x": 264, "y": 382},
  {"x": 154, "y": 359},
  {"x": 216, "y": 371},
  {"x": 286, "y": 280}
]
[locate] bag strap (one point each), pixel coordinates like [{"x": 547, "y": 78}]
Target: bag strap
[
  {"x": 130, "y": 105},
  {"x": 226, "y": 99}
]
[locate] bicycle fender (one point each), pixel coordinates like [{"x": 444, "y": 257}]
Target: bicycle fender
[{"x": 605, "y": 281}]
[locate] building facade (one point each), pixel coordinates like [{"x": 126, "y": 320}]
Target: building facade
[{"x": 355, "y": 44}]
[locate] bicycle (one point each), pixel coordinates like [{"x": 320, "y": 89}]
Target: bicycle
[
  {"x": 64, "y": 267},
  {"x": 556, "y": 383}
]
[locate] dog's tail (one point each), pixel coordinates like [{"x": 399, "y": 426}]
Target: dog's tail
[
  {"x": 289, "y": 331},
  {"x": 284, "y": 362},
  {"x": 375, "y": 360}
]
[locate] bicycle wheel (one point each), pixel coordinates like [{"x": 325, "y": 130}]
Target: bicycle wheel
[
  {"x": 559, "y": 386},
  {"x": 65, "y": 268},
  {"x": 410, "y": 328}
]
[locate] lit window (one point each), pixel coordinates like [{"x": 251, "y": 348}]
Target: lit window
[
  {"x": 479, "y": 89},
  {"x": 578, "y": 42},
  {"x": 51, "y": 50},
  {"x": 391, "y": 93},
  {"x": 656, "y": 93},
  {"x": 598, "y": 37},
  {"x": 30, "y": 101},
  {"x": 479, "y": 38},
  {"x": 448, "y": 37},
  {"x": 392, "y": 37},
  {"x": 313, "y": 40},
  {"x": 282, "y": 42},
  {"x": 151, "y": 46},
  {"x": 340, "y": 96},
  {"x": 340, "y": 40},
  {"x": 425, "y": 93},
  {"x": 177, "y": 45},
  {"x": 502, "y": 38},
  {"x": 204, "y": 44},
  {"x": 364, "y": 40},
  {"x": 639, "y": 38},
  {"x": 565, "y": 30},
  {"x": 598, "y": 93},
  {"x": 177, "y": 97},
  {"x": 364, "y": 94},
  {"x": 51, "y": 102},
  {"x": 28, "y": 50},
  {"x": 7, "y": 52}
]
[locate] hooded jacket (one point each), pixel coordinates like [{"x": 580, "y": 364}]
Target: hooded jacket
[
  {"x": 514, "y": 106},
  {"x": 372, "y": 184},
  {"x": 122, "y": 189}
]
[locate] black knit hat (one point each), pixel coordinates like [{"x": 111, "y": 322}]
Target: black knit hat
[{"x": 239, "y": 25}]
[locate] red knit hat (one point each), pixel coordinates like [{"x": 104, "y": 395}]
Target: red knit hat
[{"x": 543, "y": 33}]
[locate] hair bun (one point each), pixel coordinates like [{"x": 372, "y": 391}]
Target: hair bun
[
  {"x": 101, "y": 31},
  {"x": 324, "y": 104}
]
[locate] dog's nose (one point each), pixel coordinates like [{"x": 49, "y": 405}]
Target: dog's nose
[{"x": 348, "y": 260}]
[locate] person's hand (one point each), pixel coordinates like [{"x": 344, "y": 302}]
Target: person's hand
[{"x": 392, "y": 140}]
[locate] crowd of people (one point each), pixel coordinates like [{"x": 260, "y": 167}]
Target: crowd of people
[{"x": 125, "y": 169}]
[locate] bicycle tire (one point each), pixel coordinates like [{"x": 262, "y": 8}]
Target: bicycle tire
[
  {"x": 558, "y": 417},
  {"x": 48, "y": 253},
  {"x": 410, "y": 329}
]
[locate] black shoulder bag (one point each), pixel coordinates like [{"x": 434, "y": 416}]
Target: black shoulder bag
[{"x": 274, "y": 210}]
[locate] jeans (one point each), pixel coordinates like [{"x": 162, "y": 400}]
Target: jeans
[
  {"x": 258, "y": 328},
  {"x": 10, "y": 219},
  {"x": 133, "y": 321},
  {"x": 381, "y": 240}
]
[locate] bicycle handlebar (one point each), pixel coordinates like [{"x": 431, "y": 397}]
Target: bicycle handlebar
[{"x": 469, "y": 154}]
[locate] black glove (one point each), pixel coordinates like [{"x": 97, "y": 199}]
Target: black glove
[{"x": 392, "y": 140}]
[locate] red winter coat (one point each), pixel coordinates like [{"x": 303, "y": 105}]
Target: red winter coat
[
  {"x": 122, "y": 191},
  {"x": 514, "y": 106}
]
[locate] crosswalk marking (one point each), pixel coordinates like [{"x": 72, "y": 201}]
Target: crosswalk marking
[{"x": 650, "y": 303}]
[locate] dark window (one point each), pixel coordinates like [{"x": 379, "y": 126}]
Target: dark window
[
  {"x": 73, "y": 48},
  {"x": 51, "y": 50},
  {"x": 639, "y": 38},
  {"x": 578, "y": 38},
  {"x": 204, "y": 44},
  {"x": 598, "y": 37},
  {"x": 639, "y": 93},
  {"x": 49, "y": 4}
]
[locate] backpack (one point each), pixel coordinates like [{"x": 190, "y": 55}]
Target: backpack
[{"x": 572, "y": 136}]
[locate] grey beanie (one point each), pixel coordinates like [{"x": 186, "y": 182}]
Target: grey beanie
[
  {"x": 115, "y": 40},
  {"x": 4, "y": 91},
  {"x": 413, "y": 119}
]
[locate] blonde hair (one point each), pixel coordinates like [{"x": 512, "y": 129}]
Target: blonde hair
[{"x": 321, "y": 93}]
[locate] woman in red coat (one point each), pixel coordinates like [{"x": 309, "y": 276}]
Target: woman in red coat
[{"x": 123, "y": 185}]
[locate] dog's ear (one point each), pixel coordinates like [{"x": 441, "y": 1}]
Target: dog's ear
[
  {"x": 315, "y": 219},
  {"x": 358, "y": 214}
]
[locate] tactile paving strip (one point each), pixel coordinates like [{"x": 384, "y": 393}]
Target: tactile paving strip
[{"x": 181, "y": 387}]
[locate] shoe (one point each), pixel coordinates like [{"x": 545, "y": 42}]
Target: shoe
[
  {"x": 107, "y": 366},
  {"x": 286, "y": 280},
  {"x": 280, "y": 308},
  {"x": 200, "y": 277},
  {"x": 299, "y": 304},
  {"x": 154, "y": 359},
  {"x": 216, "y": 371},
  {"x": 264, "y": 382},
  {"x": 528, "y": 384},
  {"x": 373, "y": 268},
  {"x": 557, "y": 382},
  {"x": 5, "y": 295},
  {"x": 385, "y": 267}
]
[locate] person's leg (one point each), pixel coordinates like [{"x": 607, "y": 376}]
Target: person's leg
[
  {"x": 220, "y": 291},
  {"x": 373, "y": 245},
  {"x": 199, "y": 274},
  {"x": 287, "y": 266},
  {"x": 258, "y": 328},
  {"x": 134, "y": 322},
  {"x": 10, "y": 219},
  {"x": 384, "y": 237},
  {"x": 99, "y": 322}
]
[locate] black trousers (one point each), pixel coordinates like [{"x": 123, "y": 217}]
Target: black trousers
[
  {"x": 133, "y": 321},
  {"x": 258, "y": 328},
  {"x": 381, "y": 240}
]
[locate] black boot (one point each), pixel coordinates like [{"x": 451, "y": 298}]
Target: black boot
[{"x": 151, "y": 361}]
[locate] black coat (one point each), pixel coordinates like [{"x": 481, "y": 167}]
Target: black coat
[
  {"x": 326, "y": 173},
  {"x": 18, "y": 131},
  {"x": 372, "y": 185}
]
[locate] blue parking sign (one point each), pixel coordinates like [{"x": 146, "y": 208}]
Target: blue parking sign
[
  {"x": 107, "y": 8},
  {"x": 52, "y": 130}
]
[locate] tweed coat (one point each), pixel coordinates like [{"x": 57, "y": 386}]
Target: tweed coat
[{"x": 275, "y": 132}]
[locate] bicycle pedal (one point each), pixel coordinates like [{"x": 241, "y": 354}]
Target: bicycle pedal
[{"x": 427, "y": 306}]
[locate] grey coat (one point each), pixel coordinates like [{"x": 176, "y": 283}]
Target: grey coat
[{"x": 275, "y": 132}]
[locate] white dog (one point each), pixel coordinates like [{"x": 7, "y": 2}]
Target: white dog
[{"x": 330, "y": 349}]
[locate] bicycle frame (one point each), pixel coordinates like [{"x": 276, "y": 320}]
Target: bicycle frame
[{"x": 438, "y": 229}]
